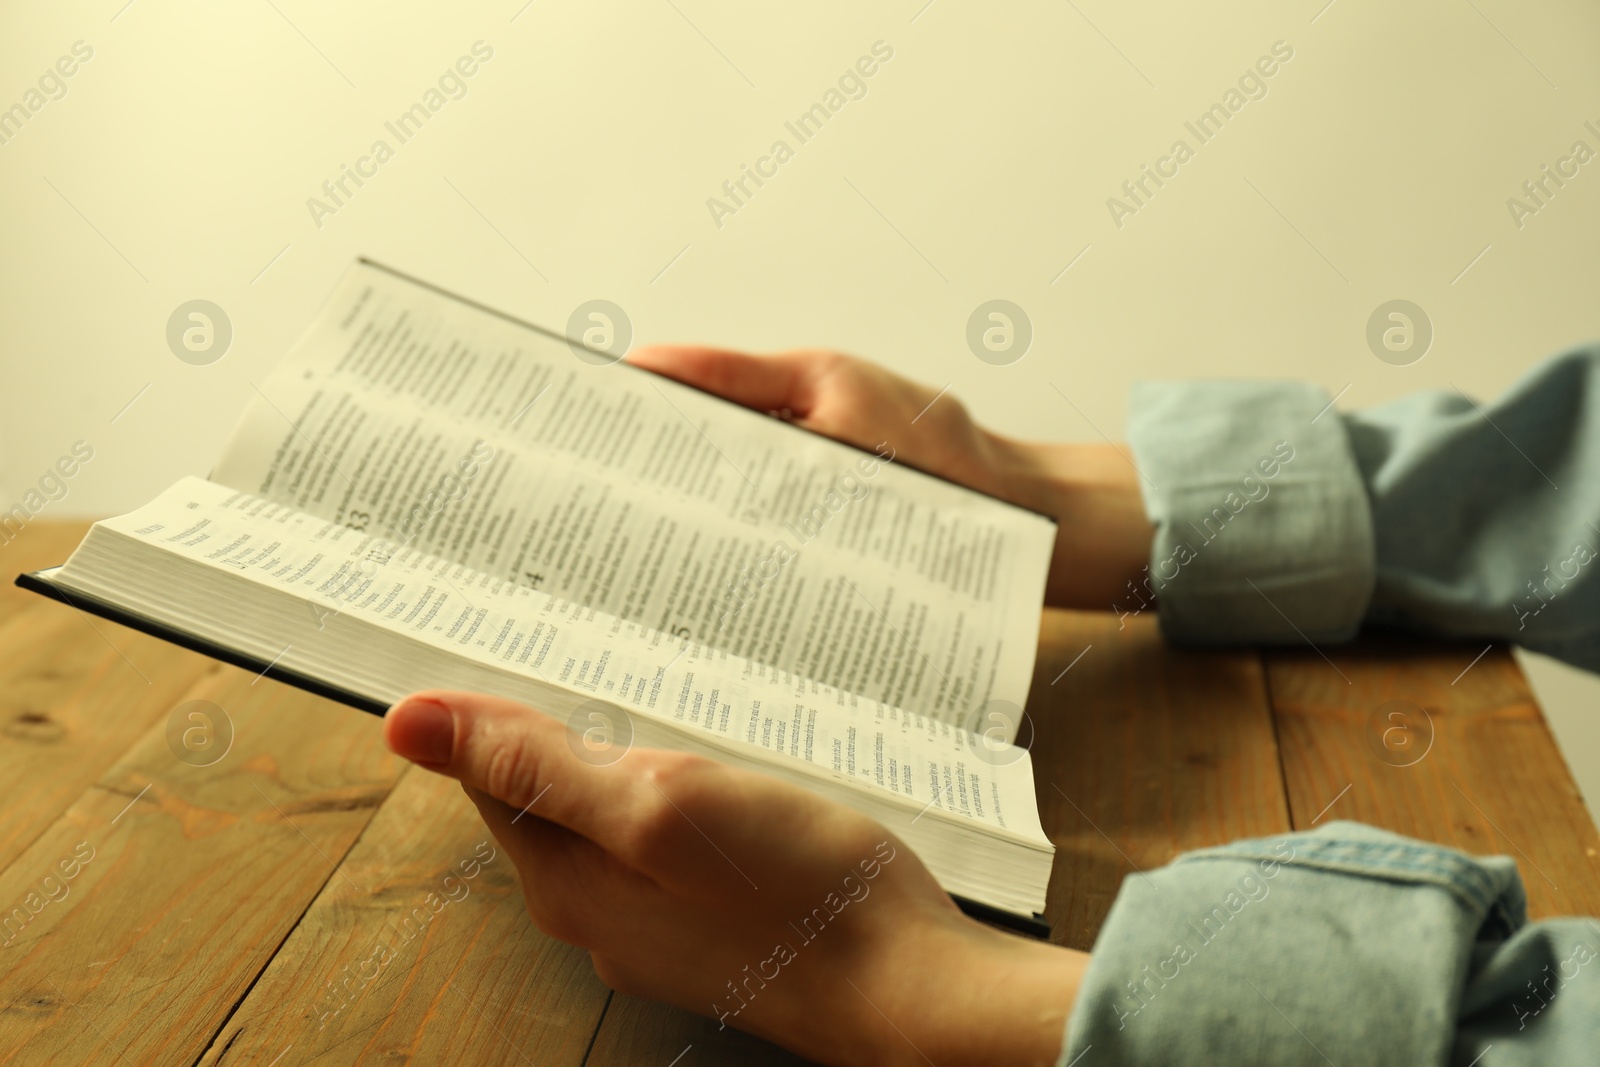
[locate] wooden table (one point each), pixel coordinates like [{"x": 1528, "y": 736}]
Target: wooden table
[{"x": 230, "y": 912}]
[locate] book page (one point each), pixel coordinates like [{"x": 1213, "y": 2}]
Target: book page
[
  {"x": 341, "y": 574},
  {"x": 436, "y": 425}
]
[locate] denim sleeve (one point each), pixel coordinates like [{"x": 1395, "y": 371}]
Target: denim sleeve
[
  {"x": 1280, "y": 520},
  {"x": 1344, "y": 945}
]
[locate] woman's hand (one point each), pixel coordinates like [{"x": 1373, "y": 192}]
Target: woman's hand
[
  {"x": 742, "y": 897},
  {"x": 849, "y": 400},
  {"x": 1091, "y": 490}
]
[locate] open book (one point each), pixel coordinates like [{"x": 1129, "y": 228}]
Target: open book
[{"x": 427, "y": 493}]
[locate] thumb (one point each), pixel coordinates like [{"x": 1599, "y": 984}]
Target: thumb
[{"x": 514, "y": 754}]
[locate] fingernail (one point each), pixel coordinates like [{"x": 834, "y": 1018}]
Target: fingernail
[{"x": 422, "y": 730}]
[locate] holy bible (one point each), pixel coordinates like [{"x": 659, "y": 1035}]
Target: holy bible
[{"x": 428, "y": 493}]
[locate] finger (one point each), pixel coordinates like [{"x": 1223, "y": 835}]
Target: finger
[
  {"x": 532, "y": 842},
  {"x": 545, "y": 852},
  {"x": 766, "y": 383},
  {"x": 570, "y": 884},
  {"x": 522, "y": 758}
]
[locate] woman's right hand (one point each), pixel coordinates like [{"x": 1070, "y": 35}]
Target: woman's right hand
[{"x": 743, "y": 897}]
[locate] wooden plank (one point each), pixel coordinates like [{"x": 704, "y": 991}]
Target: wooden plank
[
  {"x": 197, "y": 876},
  {"x": 1396, "y": 735},
  {"x": 421, "y": 951},
  {"x": 1142, "y": 751},
  {"x": 75, "y": 692},
  {"x": 639, "y": 1031}
]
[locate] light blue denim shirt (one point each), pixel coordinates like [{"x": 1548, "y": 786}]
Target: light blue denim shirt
[
  {"x": 1346, "y": 945},
  {"x": 1279, "y": 520}
]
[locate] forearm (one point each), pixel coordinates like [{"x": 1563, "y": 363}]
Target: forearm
[{"x": 1092, "y": 491}]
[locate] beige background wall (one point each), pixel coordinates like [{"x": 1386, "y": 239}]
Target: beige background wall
[{"x": 178, "y": 161}]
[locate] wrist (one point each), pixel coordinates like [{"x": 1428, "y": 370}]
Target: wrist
[
  {"x": 1034, "y": 474},
  {"x": 969, "y": 994},
  {"x": 1093, "y": 492}
]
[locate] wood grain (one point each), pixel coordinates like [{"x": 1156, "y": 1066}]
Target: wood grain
[
  {"x": 378, "y": 972},
  {"x": 1142, "y": 751},
  {"x": 226, "y": 908},
  {"x": 198, "y": 875},
  {"x": 644, "y": 1032},
  {"x": 1414, "y": 737},
  {"x": 75, "y": 692}
]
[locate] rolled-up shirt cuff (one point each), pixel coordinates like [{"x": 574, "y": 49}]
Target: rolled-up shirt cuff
[
  {"x": 1347, "y": 944},
  {"x": 1263, "y": 525}
]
